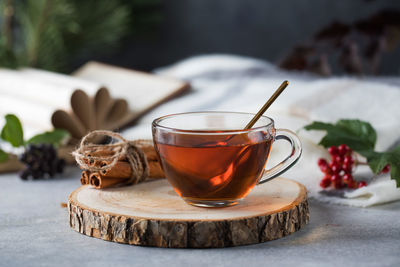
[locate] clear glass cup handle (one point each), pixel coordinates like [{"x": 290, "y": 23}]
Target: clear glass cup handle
[{"x": 289, "y": 161}]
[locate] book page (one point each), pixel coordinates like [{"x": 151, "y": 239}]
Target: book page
[
  {"x": 33, "y": 95},
  {"x": 140, "y": 89}
]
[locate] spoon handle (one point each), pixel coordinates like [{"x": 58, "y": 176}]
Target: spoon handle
[{"x": 267, "y": 104}]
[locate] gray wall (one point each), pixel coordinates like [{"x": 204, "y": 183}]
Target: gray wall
[{"x": 256, "y": 28}]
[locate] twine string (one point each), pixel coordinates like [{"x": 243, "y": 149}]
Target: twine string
[{"x": 135, "y": 156}]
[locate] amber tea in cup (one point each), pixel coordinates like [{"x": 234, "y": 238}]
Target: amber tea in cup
[{"x": 211, "y": 162}]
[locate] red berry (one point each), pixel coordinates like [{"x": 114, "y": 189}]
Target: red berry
[
  {"x": 337, "y": 159},
  {"x": 335, "y": 167},
  {"x": 343, "y": 149},
  {"x": 348, "y": 179},
  {"x": 338, "y": 185},
  {"x": 322, "y": 162},
  {"x": 353, "y": 184},
  {"x": 347, "y": 168},
  {"x": 333, "y": 150},
  {"x": 386, "y": 169},
  {"x": 327, "y": 170},
  {"x": 327, "y": 176},
  {"x": 348, "y": 160},
  {"x": 323, "y": 165},
  {"x": 325, "y": 182},
  {"x": 349, "y": 152},
  {"x": 335, "y": 178},
  {"x": 362, "y": 184}
]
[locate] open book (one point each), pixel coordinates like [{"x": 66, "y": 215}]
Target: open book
[{"x": 33, "y": 95}]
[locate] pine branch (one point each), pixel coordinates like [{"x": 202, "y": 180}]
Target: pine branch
[
  {"x": 8, "y": 13},
  {"x": 38, "y": 31},
  {"x": 51, "y": 34},
  {"x": 7, "y": 55}
]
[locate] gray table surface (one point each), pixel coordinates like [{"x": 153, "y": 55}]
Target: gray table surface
[{"x": 34, "y": 231}]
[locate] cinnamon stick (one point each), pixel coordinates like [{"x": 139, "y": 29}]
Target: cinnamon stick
[
  {"x": 99, "y": 181},
  {"x": 121, "y": 169},
  {"x": 147, "y": 147},
  {"x": 85, "y": 177},
  {"x": 118, "y": 174},
  {"x": 155, "y": 170}
]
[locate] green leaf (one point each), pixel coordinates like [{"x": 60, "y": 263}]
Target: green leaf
[
  {"x": 55, "y": 137},
  {"x": 378, "y": 160},
  {"x": 361, "y": 137},
  {"x": 12, "y": 131},
  {"x": 395, "y": 173},
  {"x": 3, "y": 156},
  {"x": 358, "y": 135}
]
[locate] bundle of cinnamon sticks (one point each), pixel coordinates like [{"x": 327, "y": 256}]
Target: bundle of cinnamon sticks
[{"x": 121, "y": 172}]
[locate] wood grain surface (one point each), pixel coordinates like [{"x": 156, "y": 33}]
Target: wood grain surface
[{"x": 152, "y": 214}]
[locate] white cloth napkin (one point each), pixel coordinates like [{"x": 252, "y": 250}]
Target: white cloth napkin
[{"x": 231, "y": 83}]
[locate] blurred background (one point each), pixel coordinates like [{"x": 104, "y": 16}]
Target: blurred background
[{"x": 322, "y": 36}]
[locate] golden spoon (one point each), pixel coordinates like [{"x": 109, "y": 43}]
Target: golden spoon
[
  {"x": 267, "y": 104},
  {"x": 248, "y": 126}
]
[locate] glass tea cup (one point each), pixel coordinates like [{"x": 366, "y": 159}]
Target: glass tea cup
[{"x": 211, "y": 161}]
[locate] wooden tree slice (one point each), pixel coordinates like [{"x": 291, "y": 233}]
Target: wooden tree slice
[{"x": 152, "y": 214}]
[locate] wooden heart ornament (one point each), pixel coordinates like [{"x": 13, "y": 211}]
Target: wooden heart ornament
[{"x": 88, "y": 114}]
